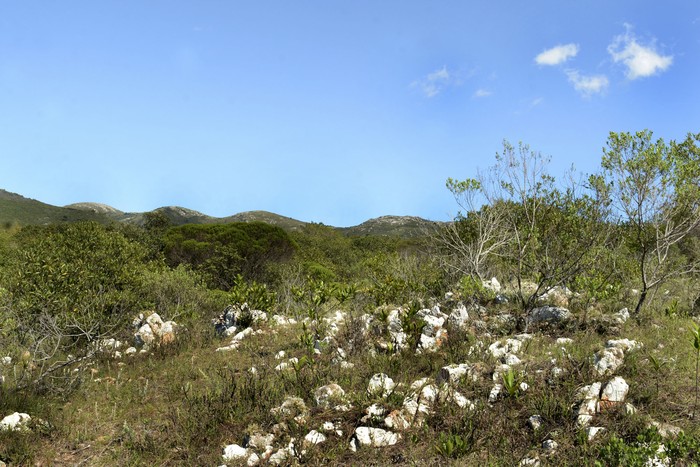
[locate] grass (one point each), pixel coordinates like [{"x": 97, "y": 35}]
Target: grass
[{"x": 181, "y": 404}]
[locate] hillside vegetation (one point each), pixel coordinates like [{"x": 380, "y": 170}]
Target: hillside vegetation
[{"x": 548, "y": 324}]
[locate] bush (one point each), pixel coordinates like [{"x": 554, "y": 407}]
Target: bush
[{"x": 74, "y": 273}]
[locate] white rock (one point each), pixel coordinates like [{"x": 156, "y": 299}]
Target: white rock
[
  {"x": 242, "y": 335},
  {"x": 380, "y": 385},
  {"x": 145, "y": 335},
  {"x": 231, "y": 331},
  {"x": 535, "y": 422},
  {"x": 592, "y": 432},
  {"x": 459, "y": 317},
  {"x": 624, "y": 344},
  {"x": 453, "y": 373},
  {"x": 614, "y": 392},
  {"x": 492, "y": 285},
  {"x": 461, "y": 401},
  {"x": 591, "y": 391},
  {"x": 549, "y": 314},
  {"x": 253, "y": 459},
  {"x": 550, "y": 445},
  {"x": 375, "y": 437},
  {"x": 523, "y": 386},
  {"x": 314, "y": 437},
  {"x": 235, "y": 453},
  {"x": 500, "y": 348},
  {"x": 495, "y": 392},
  {"x": 621, "y": 316},
  {"x": 608, "y": 360},
  {"x": 156, "y": 322},
  {"x": 7, "y": 361},
  {"x": 511, "y": 360},
  {"x": 15, "y": 422},
  {"x": 432, "y": 325},
  {"x": 533, "y": 461},
  {"x": 564, "y": 341},
  {"x": 130, "y": 351}
]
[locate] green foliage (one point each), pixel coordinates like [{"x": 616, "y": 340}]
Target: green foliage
[
  {"x": 74, "y": 273},
  {"x": 258, "y": 296},
  {"x": 221, "y": 252},
  {"x": 453, "y": 445},
  {"x": 179, "y": 293},
  {"x": 511, "y": 382},
  {"x": 471, "y": 288}
]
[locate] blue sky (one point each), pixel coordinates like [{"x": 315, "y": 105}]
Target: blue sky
[{"x": 330, "y": 112}]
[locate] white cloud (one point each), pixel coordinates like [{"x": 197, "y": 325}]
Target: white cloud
[
  {"x": 482, "y": 93},
  {"x": 435, "y": 82},
  {"x": 641, "y": 60},
  {"x": 587, "y": 85},
  {"x": 557, "y": 55}
]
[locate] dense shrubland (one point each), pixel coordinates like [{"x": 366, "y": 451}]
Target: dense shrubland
[{"x": 626, "y": 236}]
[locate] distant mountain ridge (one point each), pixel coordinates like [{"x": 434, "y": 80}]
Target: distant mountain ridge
[{"x": 15, "y": 208}]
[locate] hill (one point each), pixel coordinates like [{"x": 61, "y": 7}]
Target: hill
[
  {"x": 401, "y": 226},
  {"x": 15, "y": 208}
]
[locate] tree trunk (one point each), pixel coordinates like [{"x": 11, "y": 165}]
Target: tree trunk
[{"x": 642, "y": 297}]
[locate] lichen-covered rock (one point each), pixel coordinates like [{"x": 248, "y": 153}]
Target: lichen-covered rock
[
  {"x": 549, "y": 314},
  {"x": 329, "y": 395}
]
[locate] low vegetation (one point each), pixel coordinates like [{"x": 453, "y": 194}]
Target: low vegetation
[{"x": 371, "y": 350}]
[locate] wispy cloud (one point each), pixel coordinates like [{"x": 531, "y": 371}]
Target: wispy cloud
[
  {"x": 482, "y": 93},
  {"x": 436, "y": 82},
  {"x": 641, "y": 60},
  {"x": 587, "y": 85},
  {"x": 557, "y": 55}
]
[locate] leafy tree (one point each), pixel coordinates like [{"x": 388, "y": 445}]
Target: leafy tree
[
  {"x": 654, "y": 189},
  {"x": 222, "y": 251}
]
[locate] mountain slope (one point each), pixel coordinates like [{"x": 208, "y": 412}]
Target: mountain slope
[{"x": 16, "y": 208}]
